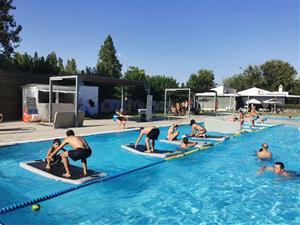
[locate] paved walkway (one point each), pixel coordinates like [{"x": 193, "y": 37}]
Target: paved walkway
[{"x": 20, "y": 132}]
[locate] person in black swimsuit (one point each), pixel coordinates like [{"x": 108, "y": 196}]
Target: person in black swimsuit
[
  {"x": 151, "y": 133},
  {"x": 121, "y": 119},
  {"x": 56, "y": 158}
]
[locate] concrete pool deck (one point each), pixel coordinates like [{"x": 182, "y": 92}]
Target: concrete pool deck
[{"x": 19, "y": 132}]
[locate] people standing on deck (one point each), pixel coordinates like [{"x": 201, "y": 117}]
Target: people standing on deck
[
  {"x": 241, "y": 117},
  {"x": 197, "y": 130},
  {"x": 263, "y": 153},
  {"x": 253, "y": 115},
  {"x": 121, "y": 119},
  {"x": 151, "y": 133},
  {"x": 172, "y": 133},
  {"x": 81, "y": 151},
  {"x": 178, "y": 108}
]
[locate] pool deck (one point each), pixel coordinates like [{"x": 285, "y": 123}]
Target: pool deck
[{"x": 19, "y": 132}]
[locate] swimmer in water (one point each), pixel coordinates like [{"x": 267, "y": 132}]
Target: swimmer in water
[
  {"x": 186, "y": 143},
  {"x": 263, "y": 153},
  {"x": 278, "y": 168}
]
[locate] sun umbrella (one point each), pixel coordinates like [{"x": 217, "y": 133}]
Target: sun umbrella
[
  {"x": 272, "y": 101},
  {"x": 253, "y": 101}
]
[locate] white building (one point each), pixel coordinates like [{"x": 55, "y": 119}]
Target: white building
[{"x": 229, "y": 100}]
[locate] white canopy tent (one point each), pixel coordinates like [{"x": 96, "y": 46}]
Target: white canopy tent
[
  {"x": 272, "y": 101},
  {"x": 253, "y": 101}
]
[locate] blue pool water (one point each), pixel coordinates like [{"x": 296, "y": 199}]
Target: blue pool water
[
  {"x": 214, "y": 186},
  {"x": 293, "y": 118}
]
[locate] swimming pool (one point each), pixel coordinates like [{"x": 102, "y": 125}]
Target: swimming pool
[
  {"x": 293, "y": 118},
  {"x": 215, "y": 186}
]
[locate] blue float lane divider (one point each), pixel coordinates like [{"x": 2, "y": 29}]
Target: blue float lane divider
[{"x": 73, "y": 188}]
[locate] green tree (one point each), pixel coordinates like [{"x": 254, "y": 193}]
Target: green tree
[
  {"x": 268, "y": 76},
  {"x": 135, "y": 93},
  {"x": 237, "y": 82},
  {"x": 158, "y": 85},
  {"x": 9, "y": 30},
  {"x": 108, "y": 64},
  {"x": 296, "y": 87},
  {"x": 251, "y": 77},
  {"x": 71, "y": 67},
  {"x": 202, "y": 81},
  {"x": 52, "y": 63},
  {"x": 24, "y": 62},
  {"x": 61, "y": 67},
  {"x": 277, "y": 72}
]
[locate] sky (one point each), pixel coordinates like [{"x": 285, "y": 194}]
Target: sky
[{"x": 164, "y": 37}]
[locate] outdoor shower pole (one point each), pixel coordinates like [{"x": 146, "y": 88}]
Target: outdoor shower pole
[
  {"x": 165, "y": 105},
  {"x": 50, "y": 100},
  {"x": 189, "y": 105},
  {"x": 76, "y": 101},
  {"x": 122, "y": 98}
]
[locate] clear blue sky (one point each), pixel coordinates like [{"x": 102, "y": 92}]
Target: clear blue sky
[{"x": 166, "y": 37}]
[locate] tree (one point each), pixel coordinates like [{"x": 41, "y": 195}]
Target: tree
[
  {"x": 202, "y": 81},
  {"x": 108, "y": 64},
  {"x": 52, "y": 63},
  {"x": 71, "y": 67},
  {"x": 135, "y": 93},
  {"x": 61, "y": 67},
  {"x": 9, "y": 30},
  {"x": 251, "y": 77},
  {"x": 267, "y": 76},
  {"x": 237, "y": 82},
  {"x": 89, "y": 70},
  {"x": 158, "y": 85},
  {"x": 24, "y": 62},
  {"x": 296, "y": 87},
  {"x": 277, "y": 72}
]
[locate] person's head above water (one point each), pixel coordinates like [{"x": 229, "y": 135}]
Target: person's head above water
[
  {"x": 192, "y": 122},
  {"x": 56, "y": 141},
  {"x": 185, "y": 140},
  {"x": 70, "y": 133},
  {"x": 265, "y": 145},
  {"x": 278, "y": 167},
  {"x": 141, "y": 128}
]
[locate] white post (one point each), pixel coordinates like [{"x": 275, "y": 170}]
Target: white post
[
  {"x": 122, "y": 98},
  {"x": 165, "y": 105},
  {"x": 50, "y": 100},
  {"x": 76, "y": 101},
  {"x": 189, "y": 105}
]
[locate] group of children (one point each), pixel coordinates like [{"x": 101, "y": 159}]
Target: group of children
[
  {"x": 180, "y": 108},
  {"x": 82, "y": 151},
  {"x": 152, "y": 134}
]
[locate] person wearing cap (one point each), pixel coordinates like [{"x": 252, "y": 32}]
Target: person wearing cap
[
  {"x": 263, "y": 153},
  {"x": 56, "y": 158}
]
